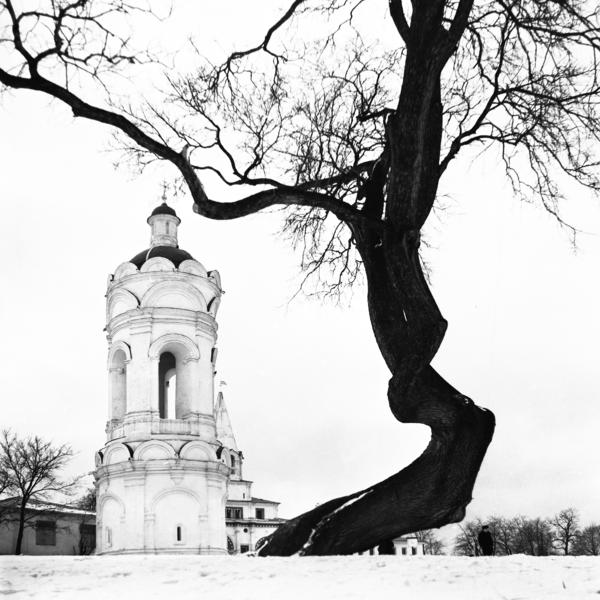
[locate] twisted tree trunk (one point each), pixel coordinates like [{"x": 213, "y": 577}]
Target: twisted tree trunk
[
  {"x": 435, "y": 489},
  {"x": 409, "y": 328}
]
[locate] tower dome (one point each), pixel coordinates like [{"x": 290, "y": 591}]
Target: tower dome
[
  {"x": 161, "y": 485},
  {"x": 163, "y": 240}
]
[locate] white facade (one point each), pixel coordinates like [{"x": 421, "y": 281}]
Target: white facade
[
  {"x": 408, "y": 545},
  {"x": 171, "y": 460},
  {"x": 162, "y": 475}
]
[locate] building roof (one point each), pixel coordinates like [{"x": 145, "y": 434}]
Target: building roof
[
  {"x": 175, "y": 254},
  {"x": 164, "y": 209},
  {"x": 250, "y": 501},
  {"x": 43, "y": 506},
  {"x": 265, "y": 501},
  {"x": 223, "y": 422}
]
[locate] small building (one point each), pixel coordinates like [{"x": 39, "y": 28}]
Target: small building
[
  {"x": 408, "y": 545},
  {"x": 247, "y": 519},
  {"x": 50, "y": 528},
  {"x": 404, "y": 545}
]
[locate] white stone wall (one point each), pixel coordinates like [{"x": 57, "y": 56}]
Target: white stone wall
[
  {"x": 408, "y": 546},
  {"x": 247, "y": 534},
  {"x": 141, "y": 503},
  {"x": 160, "y": 478}
]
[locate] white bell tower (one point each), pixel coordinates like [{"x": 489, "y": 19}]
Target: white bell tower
[{"x": 161, "y": 484}]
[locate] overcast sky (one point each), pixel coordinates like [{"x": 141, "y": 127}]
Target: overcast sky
[{"x": 306, "y": 385}]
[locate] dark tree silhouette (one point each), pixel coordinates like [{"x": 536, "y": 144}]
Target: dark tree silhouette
[
  {"x": 88, "y": 500},
  {"x": 587, "y": 541},
  {"x": 565, "y": 526},
  {"x": 352, "y": 134},
  {"x": 32, "y": 467},
  {"x": 465, "y": 543},
  {"x": 431, "y": 543}
]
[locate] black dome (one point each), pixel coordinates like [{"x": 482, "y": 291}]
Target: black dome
[
  {"x": 175, "y": 255},
  {"x": 164, "y": 209}
]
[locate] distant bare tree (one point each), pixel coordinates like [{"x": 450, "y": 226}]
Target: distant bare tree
[
  {"x": 565, "y": 527},
  {"x": 465, "y": 543},
  {"x": 33, "y": 472},
  {"x": 533, "y": 536},
  {"x": 88, "y": 500},
  {"x": 587, "y": 541},
  {"x": 431, "y": 543},
  {"x": 504, "y": 532},
  {"x": 4, "y": 488},
  {"x": 352, "y": 138}
]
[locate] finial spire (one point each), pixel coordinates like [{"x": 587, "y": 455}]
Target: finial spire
[{"x": 164, "y": 192}]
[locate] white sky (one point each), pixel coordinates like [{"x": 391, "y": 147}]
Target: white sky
[{"x": 306, "y": 384}]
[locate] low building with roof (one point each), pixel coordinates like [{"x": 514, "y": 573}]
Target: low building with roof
[{"x": 50, "y": 528}]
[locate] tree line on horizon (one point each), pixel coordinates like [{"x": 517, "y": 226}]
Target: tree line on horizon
[{"x": 562, "y": 534}]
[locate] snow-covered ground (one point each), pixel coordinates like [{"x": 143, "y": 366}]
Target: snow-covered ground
[{"x": 331, "y": 578}]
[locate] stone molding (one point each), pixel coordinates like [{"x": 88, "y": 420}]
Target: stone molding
[
  {"x": 184, "y": 288},
  {"x": 172, "y": 341},
  {"x": 141, "y": 320}
]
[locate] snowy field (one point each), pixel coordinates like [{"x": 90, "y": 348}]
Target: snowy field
[{"x": 331, "y": 578}]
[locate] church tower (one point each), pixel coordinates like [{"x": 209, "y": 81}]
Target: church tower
[{"x": 162, "y": 475}]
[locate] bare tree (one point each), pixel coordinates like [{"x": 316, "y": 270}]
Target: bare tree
[
  {"x": 431, "y": 543},
  {"x": 4, "y": 489},
  {"x": 565, "y": 526},
  {"x": 352, "y": 137},
  {"x": 504, "y": 532},
  {"x": 465, "y": 543},
  {"x": 587, "y": 541},
  {"x": 533, "y": 536},
  {"x": 33, "y": 470},
  {"x": 88, "y": 500}
]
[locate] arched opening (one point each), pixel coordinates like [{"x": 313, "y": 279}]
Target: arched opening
[
  {"x": 118, "y": 385},
  {"x": 230, "y": 546},
  {"x": 178, "y": 534},
  {"x": 167, "y": 386},
  {"x": 176, "y": 378}
]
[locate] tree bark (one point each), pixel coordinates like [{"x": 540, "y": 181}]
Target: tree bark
[{"x": 21, "y": 529}]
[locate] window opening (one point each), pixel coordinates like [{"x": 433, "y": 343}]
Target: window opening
[
  {"x": 260, "y": 513},
  {"x": 233, "y": 512},
  {"x": 108, "y": 536},
  {"x": 118, "y": 385},
  {"x": 167, "y": 386},
  {"x": 244, "y": 548},
  {"x": 45, "y": 533},
  {"x": 178, "y": 533},
  {"x": 87, "y": 538}
]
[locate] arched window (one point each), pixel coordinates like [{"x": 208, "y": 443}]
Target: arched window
[
  {"x": 230, "y": 546},
  {"x": 179, "y": 534},
  {"x": 167, "y": 386},
  {"x": 261, "y": 542},
  {"x": 118, "y": 385}
]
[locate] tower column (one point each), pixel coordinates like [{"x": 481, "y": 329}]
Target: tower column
[{"x": 160, "y": 482}]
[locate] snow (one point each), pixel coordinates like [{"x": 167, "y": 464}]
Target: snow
[{"x": 332, "y": 578}]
